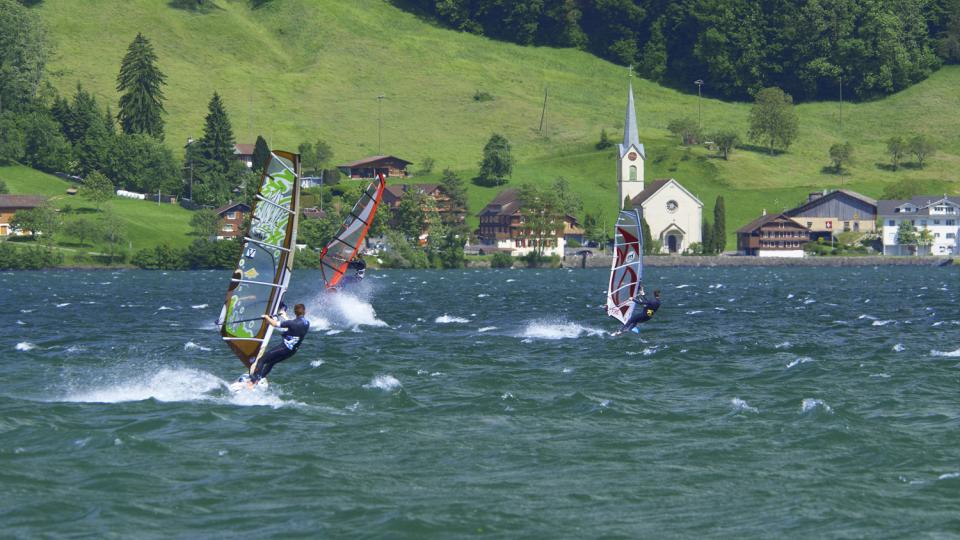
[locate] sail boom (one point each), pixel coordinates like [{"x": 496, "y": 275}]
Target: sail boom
[
  {"x": 275, "y": 205},
  {"x": 264, "y": 244},
  {"x": 252, "y": 282}
]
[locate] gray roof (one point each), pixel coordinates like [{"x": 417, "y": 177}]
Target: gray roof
[
  {"x": 21, "y": 201},
  {"x": 923, "y": 203},
  {"x": 827, "y": 196},
  {"x": 631, "y": 136}
]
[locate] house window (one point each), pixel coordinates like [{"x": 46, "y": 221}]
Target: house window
[
  {"x": 951, "y": 222},
  {"x": 633, "y": 173},
  {"x": 936, "y": 235},
  {"x": 951, "y": 235},
  {"x": 936, "y": 222},
  {"x": 227, "y": 228},
  {"x": 231, "y": 215},
  {"x": 809, "y": 224},
  {"x": 890, "y": 223},
  {"x": 923, "y": 223},
  {"x": 846, "y": 226}
]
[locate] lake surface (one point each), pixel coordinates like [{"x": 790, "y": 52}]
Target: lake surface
[{"x": 760, "y": 402}]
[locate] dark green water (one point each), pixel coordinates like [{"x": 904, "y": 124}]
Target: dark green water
[{"x": 760, "y": 402}]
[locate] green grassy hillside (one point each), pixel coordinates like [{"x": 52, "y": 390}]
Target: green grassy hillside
[
  {"x": 298, "y": 70},
  {"x": 145, "y": 224}
]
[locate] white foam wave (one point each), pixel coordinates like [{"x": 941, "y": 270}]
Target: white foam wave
[
  {"x": 334, "y": 332},
  {"x": 694, "y": 312},
  {"x": 21, "y": 323},
  {"x": 189, "y": 346},
  {"x": 899, "y": 348},
  {"x": 865, "y": 316},
  {"x": 164, "y": 308},
  {"x": 487, "y": 329},
  {"x": 798, "y": 361},
  {"x": 25, "y": 346},
  {"x": 342, "y": 309},
  {"x": 949, "y": 476},
  {"x": 811, "y": 404},
  {"x": 26, "y": 311},
  {"x": 387, "y": 383},
  {"x": 950, "y": 354},
  {"x": 740, "y": 405},
  {"x": 482, "y": 295},
  {"x": 199, "y": 306},
  {"x": 783, "y": 345},
  {"x": 316, "y": 363},
  {"x": 511, "y": 280},
  {"x": 881, "y": 323},
  {"x": 789, "y": 296},
  {"x": 175, "y": 385},
  {"x": 684, "y": 286},
  {"x": 557, "y": 330},
  {"x": 65, "y": 304},
  {"x": 809, "y": 301},
  {"x": 447, "y": 319}
]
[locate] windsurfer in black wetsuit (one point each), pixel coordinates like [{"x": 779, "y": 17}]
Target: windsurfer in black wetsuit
[
  {"x": 643, "y": 311},
  {"x": 295, "y": 330},
  {"x": 358, "y": 266}
]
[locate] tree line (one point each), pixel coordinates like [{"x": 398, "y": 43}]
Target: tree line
[{"x": 737, "y": 46}]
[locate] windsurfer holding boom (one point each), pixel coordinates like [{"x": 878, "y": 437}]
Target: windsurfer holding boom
[
  {"x": 642, "y": 312},
  {"x": 295, "y": 330}
]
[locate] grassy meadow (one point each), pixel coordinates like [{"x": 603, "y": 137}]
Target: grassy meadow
[
  {"x": 145, "y": 224},
  {"x": 301, "y": 70}
]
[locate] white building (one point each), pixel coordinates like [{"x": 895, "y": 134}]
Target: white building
[
  {"x": 670, "y": 210},
  {"x": 939, "y": 215}
]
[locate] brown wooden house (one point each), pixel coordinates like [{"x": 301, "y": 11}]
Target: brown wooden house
[
  {"x": 772, "y": 235},
  {"x": 393, "y": 194},
  {"x": 370, "y": 167},
  {"x": 231, "y": 220},
  {"x": 11, "y": 204},
  {"x": 244, "y": 152},
  {"x": 502, "y": 228}
]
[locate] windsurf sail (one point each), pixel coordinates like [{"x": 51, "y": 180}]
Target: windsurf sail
[
  {"x": 337, "y": 254},
  {"x": 266, "y": 262},
  {"x": 626, "y": 271}
]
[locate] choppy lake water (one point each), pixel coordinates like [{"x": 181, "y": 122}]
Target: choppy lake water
[{"x": 760, "y": 402}]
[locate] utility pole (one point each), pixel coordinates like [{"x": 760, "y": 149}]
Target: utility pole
[
  {"x": 543, "y": 112},
  {"x": 841, "y": 103},
  {"x": 380, "y": 99},
  {"x": 699, "y": 83}
]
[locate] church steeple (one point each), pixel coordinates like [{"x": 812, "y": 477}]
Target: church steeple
[{"x": 631, "y": 153}]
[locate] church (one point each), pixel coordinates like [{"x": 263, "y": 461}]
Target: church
[{"x": 672, "y": 213}]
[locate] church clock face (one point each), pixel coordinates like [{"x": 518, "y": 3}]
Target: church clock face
[
  {"x": 671, "y": 206},
  {"x": 632, "y": 156}
]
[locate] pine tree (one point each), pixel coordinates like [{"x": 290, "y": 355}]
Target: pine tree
[
  {"x": 261, "y": 153},
  {"x": 140, "y": 83},
  {"x": 719, "y": 225},
  {"x": 217, "y": 145}
]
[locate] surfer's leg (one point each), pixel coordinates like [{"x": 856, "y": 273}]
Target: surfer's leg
[
  {"x": 266, "y": 360},
  {"x": 274, "y": 360}
]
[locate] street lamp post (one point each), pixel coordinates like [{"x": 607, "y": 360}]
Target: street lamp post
[{"x": 699, "y": 83}]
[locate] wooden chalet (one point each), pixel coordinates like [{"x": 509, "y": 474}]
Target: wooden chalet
[
  {"x": 772, "y": 235},
  {"x": 244, "y": 152},
  {"x": 231, "y": 220},
  {"x": 831, "y": 212},
  {"x": 393, "y": 194},
  {"x": 502, "y": 228},
  {"x": 370, "y": 167},
  {"x": 11, "y": 204}
]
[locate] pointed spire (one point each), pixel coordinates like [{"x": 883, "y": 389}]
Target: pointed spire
[{"x": 630, "y": 135}]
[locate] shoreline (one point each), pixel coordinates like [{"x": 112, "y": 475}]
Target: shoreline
[{"x": 603, "y": 261}]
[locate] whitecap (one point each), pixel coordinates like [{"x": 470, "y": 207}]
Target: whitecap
[
  {"x": 809, "y": 301},
  {"x": 447, "y": 319},
  {"x": 949, "y": 476},
  {"x": 164, "y": 308},
  {"x": 865, "y": 316},
  {"x": 316, "y": 363},
  {"x": 65, "y": 304},
  {"x": 783, "y": 345},
  {"x": 694, "y": 312},
  {"x": 21, "y": 323},
  {"x": 740, "y": 405},
  {"x": 354, "y": 407},
  {"x": 880, "y": 375},
  {"x": 810, "y": 404},
  {"x": 333, "y": 332},
  {"x": 482, "y": 295},
  {"x": 557, "y": 330},
  {"x": 950, "y": 354},
  {"x": 487, "y": 329},
  {"x": 25, "y": 346},
  {"x": 566, "y": 370},
  {"x": 798, "y": 361},
  {"x": 199, "y": 306},
  {"x": 26, "y": 311},
  {"x": 789, "y": 296},
  {"x": 188, "y": 346},
  {"x": 881, "y": 323},
  {"x": 386, "y": 383},
  {"x": 684, "y": 286},
  {"x": 511, "y": 280},
  {"x": 899, "y": 348},
  {"x": 343, "y": 309}
]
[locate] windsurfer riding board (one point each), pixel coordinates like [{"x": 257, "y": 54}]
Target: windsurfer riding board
[{"x": 643, "y": 311}]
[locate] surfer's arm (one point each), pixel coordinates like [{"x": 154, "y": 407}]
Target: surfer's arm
[{"x": 273, "y": 322}]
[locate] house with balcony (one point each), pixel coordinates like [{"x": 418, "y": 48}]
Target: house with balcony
[
  {"x": 10, "y": 205},
  {"x": 772, "y": 235},
  {"x": 828, "y": 213},
  {"x": 939, "y": 215},
  {"x": 369, "y": 167},
  {"x": 504, "y": 229},
  {"x": 231, "y": 220}
]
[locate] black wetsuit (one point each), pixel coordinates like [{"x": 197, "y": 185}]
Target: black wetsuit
[
  {"x": 642, "y": 313},
  {"x": 296, "y": 330}
]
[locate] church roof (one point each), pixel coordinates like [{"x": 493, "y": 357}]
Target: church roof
[
  {"x": 650, "y": 189},
  {"x": 631, "y": 137}
]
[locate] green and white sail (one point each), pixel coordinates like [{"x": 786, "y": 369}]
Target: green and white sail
[{"x": 263, "y": 272}]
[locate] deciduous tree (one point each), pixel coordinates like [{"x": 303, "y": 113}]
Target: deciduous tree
[
  {"x": 497, "y": 163},
  {"x": 840, "y": 154},
  {"x": 896, "y": 147},
  {"x": 726, "y": 141},
  {"x": 772, "y": 119},
  {"x": 97, "y": 188},
  {"x": 922, "y": 147}
]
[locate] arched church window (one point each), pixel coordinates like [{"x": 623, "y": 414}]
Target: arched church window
[{"x": 633, "y": 173}]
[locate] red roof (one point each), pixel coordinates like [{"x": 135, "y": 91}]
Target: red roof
[
  {"x": 244, "y": 149},
  {"x": 21, "y": 201},
  {"x": 394, "y": 192}
]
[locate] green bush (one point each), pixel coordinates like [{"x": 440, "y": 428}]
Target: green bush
[
  {"x": 501, "y": 260},
  {"x": 33, "y": 258}
]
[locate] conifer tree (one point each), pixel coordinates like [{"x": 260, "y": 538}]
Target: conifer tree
[
  {"x": 217, "y": 145},
  {"x": 706, "y": 235},
  {"x": 261, "y": 153},
  {"x": 647, "y": 237},
  {"x": 140, "y": 82},
  {"x": 719, "y": 225}
]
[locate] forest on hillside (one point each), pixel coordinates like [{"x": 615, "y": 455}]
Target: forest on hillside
[{"x": 737, "y": 47}]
